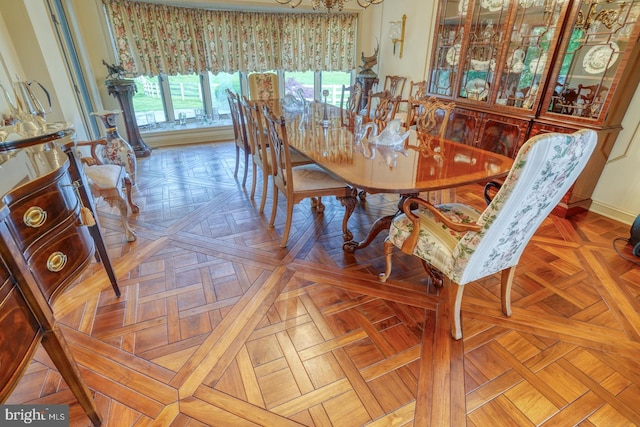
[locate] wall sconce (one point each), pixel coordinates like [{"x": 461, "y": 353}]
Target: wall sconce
[{"x": 396, "y": 34}]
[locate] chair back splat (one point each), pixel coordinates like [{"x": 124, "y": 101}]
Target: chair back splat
[
  {"x": 350, "y": 101},
  {"x": 465, "y": 245},
  {"x": 430, "y": 115}
]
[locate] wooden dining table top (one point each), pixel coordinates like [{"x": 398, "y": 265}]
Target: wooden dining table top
[{"x": 413, "y": 167}]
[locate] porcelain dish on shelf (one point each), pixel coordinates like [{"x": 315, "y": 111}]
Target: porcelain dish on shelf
[
  {"x": 477, "y": 65},
  {"x": 537, "y": 65},
  {"x": 493, "y": 5},
  {"x": 526, "y": 3},
  {"x": 477, "y": 89},
  {"x": 463, "y": 6},
  {"x": 601, "y": 58},
  {"x": 453, "y": 55}
]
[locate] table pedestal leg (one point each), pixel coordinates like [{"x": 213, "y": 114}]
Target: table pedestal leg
[
  {"x": 380, "y": 224},
  {"x": 349, "y": 204}
]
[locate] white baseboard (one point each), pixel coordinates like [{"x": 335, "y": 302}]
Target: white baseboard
[
  {"x": 177, "y": 136},
  {"x": 612, "y": 212}
]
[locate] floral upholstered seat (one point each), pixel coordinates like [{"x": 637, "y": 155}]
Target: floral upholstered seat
[{"x": 465, "y": 245}]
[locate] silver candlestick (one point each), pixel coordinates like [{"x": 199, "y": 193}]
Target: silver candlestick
[{"x": 325, "y": 118}]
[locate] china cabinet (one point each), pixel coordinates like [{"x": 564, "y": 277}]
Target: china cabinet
[{"x": 519, "y": 68}]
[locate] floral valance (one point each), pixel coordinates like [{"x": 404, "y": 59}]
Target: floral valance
[{"x": 151, "y": 39}]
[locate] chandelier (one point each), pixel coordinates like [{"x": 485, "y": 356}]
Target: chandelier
[{"x": 330, "y": 4}]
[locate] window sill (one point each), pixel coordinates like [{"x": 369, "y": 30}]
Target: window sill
[{"x": 191, "y": 133}]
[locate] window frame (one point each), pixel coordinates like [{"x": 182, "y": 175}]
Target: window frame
[{"x": 205, "y": 87}]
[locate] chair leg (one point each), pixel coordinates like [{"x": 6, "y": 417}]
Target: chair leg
[
  {"x": 246, "y": 167},
  {"x": 455, "y": 301},
  {"x": 265, "y": 185},
  {"x": 274, "y": 206},
  {"x": 319, "y": 206},
  {"x": 435, "y": 276},
  {"x": 287, "y": 225},
  {"x": 253, "y": 180},
  {"x": 128, "y": 185},
  {"x": 388, "y": 252},
  {"x": 119, "y": 202},
  {"x": 506, "y": 282},
  {"x": 235, "y": 172}
]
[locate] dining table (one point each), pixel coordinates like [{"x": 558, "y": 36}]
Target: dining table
[{"x": 394, "y": 161}]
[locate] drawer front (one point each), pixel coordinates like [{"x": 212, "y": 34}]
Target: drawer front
[
  {"x": 33, "y": 214},
  {"x": 19, "y": 333},
  {"x": 60, "y": 259}
]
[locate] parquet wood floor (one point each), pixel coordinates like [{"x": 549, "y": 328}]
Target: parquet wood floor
[{"x": 219, "y": 326}]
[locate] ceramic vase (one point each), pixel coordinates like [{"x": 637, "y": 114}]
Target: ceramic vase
[{"x": 117, "y": 151}]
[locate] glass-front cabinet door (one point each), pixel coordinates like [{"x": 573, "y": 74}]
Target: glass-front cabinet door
[
  {"x": 598, "y": 43},
  {"x": 549, "y": 58},
  {"x": 495, "y": 51},
  {"x": 529, "y": 49}
]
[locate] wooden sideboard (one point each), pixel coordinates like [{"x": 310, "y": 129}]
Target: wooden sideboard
[{"x": 49, "y": 232}]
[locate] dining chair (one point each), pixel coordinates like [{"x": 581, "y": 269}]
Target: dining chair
[
  {"x": 395, "y": 85},
  {"x": 429, "y": 116},
  {"x": 459, "y": 244},
  {"x": 417, "y": 90},
  {"x": 263, "y": 86},
  {"x": 350, "y": 100},
  {"x": 107, "y": 181},
  {"x": 259, "y": 146},
  {"x": 381, "y": 108},
  {"x": 300, "y": 182},
  {"x": 239, "y": 133}
]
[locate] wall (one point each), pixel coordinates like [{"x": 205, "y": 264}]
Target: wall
[{"x": 25, "y": 33}]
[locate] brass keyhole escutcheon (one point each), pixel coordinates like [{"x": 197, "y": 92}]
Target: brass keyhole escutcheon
[
  {"x": 34, "y": 217},
  {"x": 56, "y": 262}
]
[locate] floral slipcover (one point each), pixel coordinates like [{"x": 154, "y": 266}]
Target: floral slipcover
[
  {"x": 263, "y": 86},
  {"x": 544, "y": 169}
]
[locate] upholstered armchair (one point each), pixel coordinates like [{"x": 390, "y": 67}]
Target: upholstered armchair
[
  {"x": 108, "y": 181},
  {"x": 459, "y": 244}
]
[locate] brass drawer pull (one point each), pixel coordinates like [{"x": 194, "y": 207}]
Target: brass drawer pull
[
  {"x": 56, "y": 262},
  {"x": 34, "y": 217}
]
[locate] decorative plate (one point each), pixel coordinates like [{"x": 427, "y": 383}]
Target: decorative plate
[
  {"x": 477, "y": 89},
  {"x": 463, "y": 6},
  {"x": 453, "y": 54},
  {"x": 493, "y": 5},
  {"x": 600, "y": 58}
]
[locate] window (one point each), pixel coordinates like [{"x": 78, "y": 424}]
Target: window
[
  {"x": 333, "y": 81},
  {"x": 302, "y": 81},
  {"x": 186, "y": 95},
  {"x": 202, "y": 99},
  {"x": 147, "y": 102},
  {"x": 159, "y": 101}
]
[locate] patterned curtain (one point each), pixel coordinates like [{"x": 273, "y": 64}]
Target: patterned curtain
[{"x": 151, "y": 39}]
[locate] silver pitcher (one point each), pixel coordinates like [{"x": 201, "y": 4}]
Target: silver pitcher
[{"x": 27, "y": 107}]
